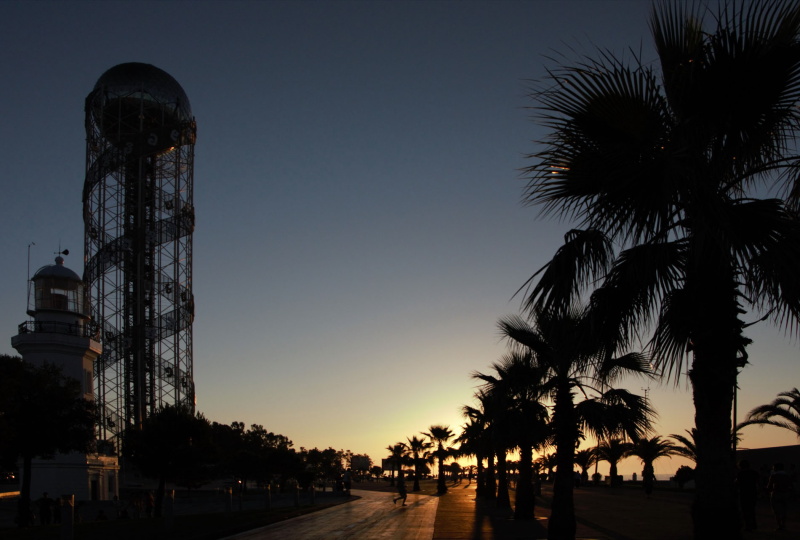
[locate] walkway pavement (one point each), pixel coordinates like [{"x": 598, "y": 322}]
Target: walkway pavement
[
  {"x": 603, "y": 514},
  {"x": 461, "y": 516},
  {"x": 371, "y": 516}
]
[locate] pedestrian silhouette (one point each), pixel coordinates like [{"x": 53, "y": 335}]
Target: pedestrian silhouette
[
  {"x": 45, "y": 509},
  {"x": 779, "y": 486},
  {"x": 348, "y": 482},
  {"x": 401, "y": 489}
]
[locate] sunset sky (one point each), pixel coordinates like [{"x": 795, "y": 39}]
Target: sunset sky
[{"x": 357, "y": 192}]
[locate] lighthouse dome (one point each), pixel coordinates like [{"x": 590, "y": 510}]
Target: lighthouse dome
[
  {"x": 57, "y": 288},
  {"x": 57, "y": 270}
]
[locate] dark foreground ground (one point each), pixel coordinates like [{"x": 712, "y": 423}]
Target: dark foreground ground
[
  {"x": 200, "y": 516},
  {"x": 603, "y": 513},
  {"x": 621, "y": 513}
]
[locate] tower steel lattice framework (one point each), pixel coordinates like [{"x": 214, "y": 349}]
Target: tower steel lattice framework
[{"x": 138, "y": 222}]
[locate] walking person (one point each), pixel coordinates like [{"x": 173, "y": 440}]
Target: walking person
[
  {"x": 401, "y": 489},
  {"x": 779, "y": 487},
  {"x": 348, "y": 481},
  {"x": 58, "y": 504},
  {"x": 45, "y": 509},
  {"x": 149, "y": 504}
]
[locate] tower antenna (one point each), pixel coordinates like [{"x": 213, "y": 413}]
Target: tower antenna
[{"x": 28, "y": 293}]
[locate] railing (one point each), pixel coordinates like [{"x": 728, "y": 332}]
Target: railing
[{"x": 52, "y": 327}]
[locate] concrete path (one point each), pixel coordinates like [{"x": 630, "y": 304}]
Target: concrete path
[
  {"x": 372, "y": 517},
  {"x": 602, "y": 514}
]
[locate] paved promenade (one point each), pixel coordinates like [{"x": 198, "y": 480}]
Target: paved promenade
[
  {"x": 603, "y": 514},
  {"x": 372, "y": 515}
]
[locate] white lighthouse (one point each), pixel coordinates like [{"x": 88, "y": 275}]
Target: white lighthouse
[{"x": 60, "y": 334}]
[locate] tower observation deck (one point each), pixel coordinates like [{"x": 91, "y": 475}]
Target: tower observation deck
[{"x": 138, "y": 221}]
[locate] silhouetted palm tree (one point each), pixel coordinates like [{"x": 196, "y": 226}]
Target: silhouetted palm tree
[
  {"x": 520, "y": 421},
  {"x": 479, "y": 439},
  {"x": 661, "y": 170},
  {"x": 613, "y": 451},
  {"x": 472, "y": 442},
  {"x": 439, "y": 435},
  {"x": 584, "y": 459},
  {"x": 419, "y": 449},
  {"x": 783, "y": 412},
  {"x": 548, "y": 462},
  {"x": 569, "y": 357},
  {"x": 397, "y": 452},
  {"x": 497, "y": 406},
  {"x": 649, "y": 450}
]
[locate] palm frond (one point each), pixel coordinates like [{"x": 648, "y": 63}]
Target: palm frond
[
  {"x": 687, "y": 446},
  {"x": 768, "y": 248},
  {"x": 783, "y": 412},
  {"x": 583, "y": 258},
  {"x": 637, "y": 281},
  {"x": 613, "y": 369}
]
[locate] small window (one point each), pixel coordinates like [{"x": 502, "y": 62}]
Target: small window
[{"x": 87, "y": 382}]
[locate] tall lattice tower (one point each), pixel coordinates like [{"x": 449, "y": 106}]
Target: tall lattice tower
[{"x": 138, "y": 222}]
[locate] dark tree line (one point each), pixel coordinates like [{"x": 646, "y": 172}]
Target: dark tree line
[
  {"x": 186, "y": 449},
  {"x": 43, "y": 413}
]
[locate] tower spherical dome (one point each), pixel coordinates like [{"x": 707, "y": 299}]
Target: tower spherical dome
[
  {"x": 145, "y": 79},
  {"x": 141, "y": 109}
]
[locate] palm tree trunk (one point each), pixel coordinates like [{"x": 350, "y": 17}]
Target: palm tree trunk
[
  {"x": 503, "y": 499},
  {"x": 525, "y": 503},
  {"x": 441, "y": 482},
  {"x": 717, "y": 340},
  {"x": 491, "y": 484},
  {"x": 480, "y": 488},
  {"x": 648, "y": 477},
  {"x": 715, "y": 493},
  {"x": 562, "y": 525}
]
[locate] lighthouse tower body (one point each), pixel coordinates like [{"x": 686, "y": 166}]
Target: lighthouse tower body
[{"x": 61, "y": 333}]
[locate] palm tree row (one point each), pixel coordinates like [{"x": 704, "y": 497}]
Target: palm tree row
[
  {"x": 529, "y": 402},
  {"x": 418, "y": 452},
  {"x": 614, "y": 450},
  {"x": 664, "y": 171},
  {"x": 664, "y": 167}
]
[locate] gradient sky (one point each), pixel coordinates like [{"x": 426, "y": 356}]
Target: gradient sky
[{"x": 357, "y": 191}]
